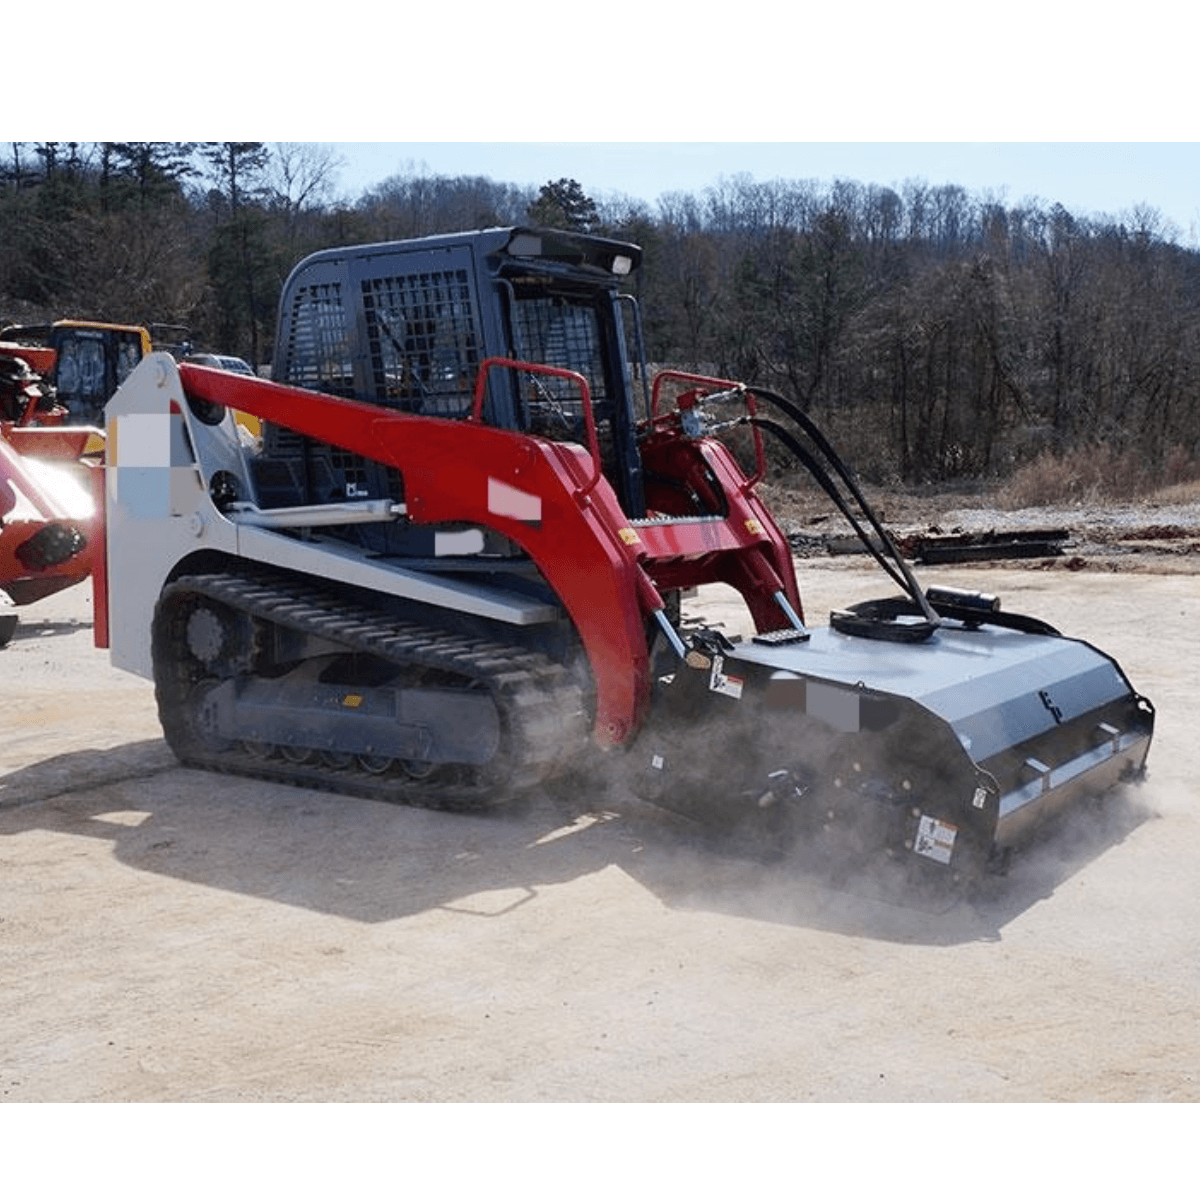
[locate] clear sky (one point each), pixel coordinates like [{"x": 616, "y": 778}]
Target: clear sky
[
  {"x": 1088, "y": 178},
  {"x": 1092, "y": 107}
]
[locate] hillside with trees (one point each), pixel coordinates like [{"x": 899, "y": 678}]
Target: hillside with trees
[{"x": 938, "y": 335}]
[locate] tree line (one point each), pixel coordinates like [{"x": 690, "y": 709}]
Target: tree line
[{"x": 937, "y": 334}]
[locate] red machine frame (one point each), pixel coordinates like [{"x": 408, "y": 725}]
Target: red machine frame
[{"x": 607, "y": 570}]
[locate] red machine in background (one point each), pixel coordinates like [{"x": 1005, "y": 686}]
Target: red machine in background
[{"x": 50, "y": 479}]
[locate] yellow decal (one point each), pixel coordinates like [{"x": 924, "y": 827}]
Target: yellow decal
[
  {"x": 351, "y": 700},
  {"x": 752, "y": 526},
  {"x": 628, "y": 536}
]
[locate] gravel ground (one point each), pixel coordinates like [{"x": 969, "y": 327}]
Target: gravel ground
[
  {"x": 1155, "y": 536},
  {"x": 168, "y": 935},
  {"x": 1113, "y": 519}
]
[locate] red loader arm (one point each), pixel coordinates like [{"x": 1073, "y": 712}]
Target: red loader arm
[{"x": 550, "y": 499}]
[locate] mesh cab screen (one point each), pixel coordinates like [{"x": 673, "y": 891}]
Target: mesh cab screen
[
  {"x": 559, "y": 333},
  {"x": 553, "y": 331},
  {"x": 318, "y": 346},
  {"x": 423, "y": 341}
]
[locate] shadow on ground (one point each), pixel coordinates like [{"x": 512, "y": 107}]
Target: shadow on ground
[
  {"x": 373, "y": 862},
  {"x": 45, "y": 629}
]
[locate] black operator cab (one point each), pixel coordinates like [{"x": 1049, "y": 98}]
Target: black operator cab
[{"x": 406, "y": 325}]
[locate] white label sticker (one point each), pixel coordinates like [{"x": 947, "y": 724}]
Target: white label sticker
[
  {"x": 835, "y": 706},
  {"x": 507, "y": 501},
  {"x": 727, "y": 685},
  {"x": 464, "y": 541},
  {"x": 144, "y": 441},
  {"x": 935, "y": 839}
]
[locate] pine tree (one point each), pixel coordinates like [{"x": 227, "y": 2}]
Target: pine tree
[{"x": 563, "y": 204}]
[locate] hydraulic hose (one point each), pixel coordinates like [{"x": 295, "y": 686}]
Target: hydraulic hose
[
  {"x": 821, "y": 476},
  {"x": 893, "y": 564}
]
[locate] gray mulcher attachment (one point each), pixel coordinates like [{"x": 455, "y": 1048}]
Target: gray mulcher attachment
[
  {"x": 958, "y": 749},
  {"x": 932, "y": 727}
]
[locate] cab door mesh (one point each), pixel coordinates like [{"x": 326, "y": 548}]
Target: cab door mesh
[{"x": 423, "y": 341}]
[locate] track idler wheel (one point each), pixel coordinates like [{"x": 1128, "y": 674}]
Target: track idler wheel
[{"x": 375, "y": 764}]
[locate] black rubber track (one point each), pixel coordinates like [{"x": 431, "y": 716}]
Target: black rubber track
[{"x": 544, "y": 726}]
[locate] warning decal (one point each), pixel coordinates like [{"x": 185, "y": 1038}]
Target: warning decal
[
  {"x": 718, "y": 681},
  {"x": 935, "y": 839}
]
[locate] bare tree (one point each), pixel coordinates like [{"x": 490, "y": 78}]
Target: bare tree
[{"x": 301, "y": 175}]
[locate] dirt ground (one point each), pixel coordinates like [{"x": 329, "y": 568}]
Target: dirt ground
[{"x": 168, "y": 935}]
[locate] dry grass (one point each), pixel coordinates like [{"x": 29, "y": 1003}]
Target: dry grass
[
  {"x": 1079, "y": 481},
  {"x": 1096, "y": 475},
  {"x": 1178, "y": 493}
]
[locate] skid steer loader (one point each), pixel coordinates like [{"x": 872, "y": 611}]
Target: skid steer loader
[
  {"x": 451, "y": 570},
  {"x": 82, "y": 362}
]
